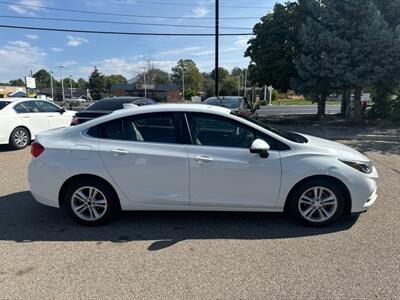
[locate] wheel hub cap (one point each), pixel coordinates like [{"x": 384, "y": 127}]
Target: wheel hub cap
[
  {"x": 317, "y": 204},
  {"x": 89, "y": 203}
]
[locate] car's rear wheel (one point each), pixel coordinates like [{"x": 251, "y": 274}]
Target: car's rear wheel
[
  {"x": 318, "y": 202},
  {"x": 90, "y": 202},
  {"x": 19, "y": 138}
]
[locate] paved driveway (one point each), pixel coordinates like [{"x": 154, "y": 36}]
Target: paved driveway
[{"x": 156, "y": 255}]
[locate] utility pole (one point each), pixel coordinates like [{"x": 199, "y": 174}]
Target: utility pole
[
  {"x": 216, "y": 47},
  {"x": 51, "y": 85},
  {"x": 183, "y": 83},
  {"x": 144, "y": 81},
  {"x": 61, "y": 67},
  {"x": 70, "y": 84}
]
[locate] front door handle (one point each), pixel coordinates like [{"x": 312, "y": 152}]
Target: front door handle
[
  {"x": 203, "y": 159},
  {"x": 119, "y": 152}
]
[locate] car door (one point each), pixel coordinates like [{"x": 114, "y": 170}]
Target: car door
[
  {"x": 223, "y": 172},
  {"x": 52, "y": 112},
  {"x": 30, "y": 114},
  {"x": 146, "y": 159}
]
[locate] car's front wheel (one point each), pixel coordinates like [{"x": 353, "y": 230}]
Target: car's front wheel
[
  {"x": 90, "y": 202},
  {"x": 19, "y": 138},
  {"x": 318, "y": 202}
]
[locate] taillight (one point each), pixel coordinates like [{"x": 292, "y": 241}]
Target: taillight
[
  {"x": 36, "y": 149},
  {"x": 75, "y": 121}
]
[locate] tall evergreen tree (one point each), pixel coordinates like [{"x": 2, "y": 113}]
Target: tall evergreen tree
[
  {"x": 344, "y": 44},
  {"x": 97, "y": 85},
  {"x": 275, "y": 45}
]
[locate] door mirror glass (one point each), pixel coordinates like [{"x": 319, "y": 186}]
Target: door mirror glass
[{"x": 260, "y": 147}]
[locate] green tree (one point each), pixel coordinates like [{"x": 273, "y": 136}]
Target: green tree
[
  {"x": 153, "y": 76},
  {"x": 17, "y": 82},
  {"x": 229, "y": 86},
  {"x": 344, "y": 45},
  {"x": 193, "y": 78},
  {"x": 388, "y": 85},
  {"x": 82, "y": 84},
  {"x": 114, "y": 79},
  {"x": 42, "y": 79},
  {"x": 97, "y": 85},
  {"x": 275, "y": 45}
]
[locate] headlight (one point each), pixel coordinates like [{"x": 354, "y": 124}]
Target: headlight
[{"x": 362, "y": 166}]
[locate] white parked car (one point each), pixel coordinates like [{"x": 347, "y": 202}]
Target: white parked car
[
  {"x": 196, "y": 157},
  {"x": 22, "y": 118}
]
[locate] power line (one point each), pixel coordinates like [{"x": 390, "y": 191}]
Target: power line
[
  {"x": 116, "y": 22},
  {"x": 120, "y": 14},
  {"x": 195, "y": 5},
  {"x": 119, "y": 32}
]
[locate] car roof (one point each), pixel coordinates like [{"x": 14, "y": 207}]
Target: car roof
[
  {"x": 16, "y": 99},
  {"x": 201, "y": 108}
]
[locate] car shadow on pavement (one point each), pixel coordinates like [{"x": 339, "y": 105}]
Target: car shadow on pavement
[{"x": 24, "y": 220}]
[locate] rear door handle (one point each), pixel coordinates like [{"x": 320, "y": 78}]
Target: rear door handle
[
  {"x": 203, "y": 159},
  {"x": 119, "y": 152}
]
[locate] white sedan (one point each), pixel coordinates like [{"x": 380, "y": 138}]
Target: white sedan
[
  {"x": 196, "y": 157},
  {"x": 22, "y": 118}
]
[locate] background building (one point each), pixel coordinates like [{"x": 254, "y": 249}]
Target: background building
[{"x": 157, "y": 92}]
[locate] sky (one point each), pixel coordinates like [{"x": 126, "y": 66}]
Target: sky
[{"x": 24, "y": 50}]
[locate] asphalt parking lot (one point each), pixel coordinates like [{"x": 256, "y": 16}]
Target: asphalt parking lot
[{"x": 178, "y": 255}]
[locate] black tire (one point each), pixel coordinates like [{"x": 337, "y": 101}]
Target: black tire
[
  {"x": 20, "y": 138},
  {"x": 329, "y": 186},
  {"x": 105, "y": 190}
]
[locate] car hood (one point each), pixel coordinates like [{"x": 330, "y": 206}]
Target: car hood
[{"x": 328, "y": 147}]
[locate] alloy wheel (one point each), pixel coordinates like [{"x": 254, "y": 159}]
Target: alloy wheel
[
  {"x": 21, "y": 138},
  {"x": 318, "y": 204},
  {"x": 89, "y": 203}
]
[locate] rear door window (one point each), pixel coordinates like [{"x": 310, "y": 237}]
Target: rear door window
[
  {"x": 47, "y": 107},
  {"x": 155, "y": 128},
  {"x": 26, "y": 107}
]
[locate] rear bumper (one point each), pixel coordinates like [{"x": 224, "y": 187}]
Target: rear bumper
[{"x": 44, "y": 183}]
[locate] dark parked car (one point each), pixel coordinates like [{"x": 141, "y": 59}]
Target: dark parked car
[
  {"x": 235, "y": 103},
  {"x": 107, "y": 106}
]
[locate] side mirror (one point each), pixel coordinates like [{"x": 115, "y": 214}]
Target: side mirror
[
  {"x": 62, "y": 110},
  {"x": 260, "y": 147}
]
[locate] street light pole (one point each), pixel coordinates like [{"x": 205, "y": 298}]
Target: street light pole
[
  {"x": 144, "y": 80},
  {"x": 216, "y": 47},
  {"x": 70, "y": 84},
  {"x": 61, "y": 67},
  {"x": 51, "y": 85},
  {"x": 245, "y": 82}
]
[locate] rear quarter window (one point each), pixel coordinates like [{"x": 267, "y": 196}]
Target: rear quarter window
[{"x": 3, "y": 104}]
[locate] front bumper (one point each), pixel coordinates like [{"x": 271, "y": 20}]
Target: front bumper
[{"x": 364, "y": 192}]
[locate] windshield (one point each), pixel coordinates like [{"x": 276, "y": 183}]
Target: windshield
[
  {"x": 232, "y": 103},
  {"x": 286, "y": 134},
  {"x": 4, "y": 104}
]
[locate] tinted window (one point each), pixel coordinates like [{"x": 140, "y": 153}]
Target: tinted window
[
  {"x": 111, "y": 130},
  {"x": 3, "y": 104},
  {"x": 156, "y": 128},
  {"x": 291, "y": 136},
  {"x": 229, "y": 102},
  {"x": 47, "y": 107},
  {"x": 113, "y": 104},
  {"x": 26, "y": 107},
  {"x": 213, "y": 130}
]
